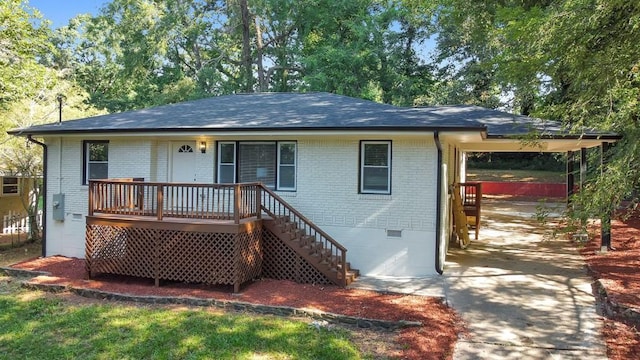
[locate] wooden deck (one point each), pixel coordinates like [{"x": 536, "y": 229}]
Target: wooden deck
[{"x": 206, "y": 233}]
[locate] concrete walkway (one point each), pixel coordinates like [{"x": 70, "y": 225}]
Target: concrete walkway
[{"x": 522, "y": 294}]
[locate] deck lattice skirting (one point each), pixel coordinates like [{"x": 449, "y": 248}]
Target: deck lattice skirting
[{"x": 169, "y": 254}]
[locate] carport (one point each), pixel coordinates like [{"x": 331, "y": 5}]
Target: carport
[{"x": 516, "y": 133}]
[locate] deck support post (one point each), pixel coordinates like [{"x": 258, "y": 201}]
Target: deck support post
[
  {"x": 91, "y": 190},
  {"x": 160, "y": 195},
  {"x": 259, "y": 201},
  {"x": 583, "y": 167},
  {"x": 236, "y": 204}
]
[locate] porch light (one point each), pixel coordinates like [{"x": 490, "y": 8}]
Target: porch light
[{"x": 203, "y": 147}]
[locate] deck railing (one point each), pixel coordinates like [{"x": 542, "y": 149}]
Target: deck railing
[{"x": 174, "y": 200}]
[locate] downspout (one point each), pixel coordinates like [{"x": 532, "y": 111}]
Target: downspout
[
  {"x": 44, "y": 192},
  {"x": 436, "y": 138}
]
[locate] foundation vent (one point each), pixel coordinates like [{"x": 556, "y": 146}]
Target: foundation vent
[{"x": 394, "y": 233}]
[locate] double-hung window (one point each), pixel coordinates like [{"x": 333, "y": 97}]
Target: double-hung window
[
  {"x": 96, "y": 160},
  {"x": 375, "y": 167},
  {"x": 287, "y": 166},
  {"x": 226, "y": 162},
  {"x": 9, "y": 185},
  {"x": 272, "y": 163}
]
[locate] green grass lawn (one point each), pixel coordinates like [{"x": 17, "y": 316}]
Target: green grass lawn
[
  {"x": 515, "y": 175},
  {"x": 35, "y": 325}
]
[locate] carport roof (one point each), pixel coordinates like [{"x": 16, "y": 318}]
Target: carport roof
[{"x": 308, "y": 112}]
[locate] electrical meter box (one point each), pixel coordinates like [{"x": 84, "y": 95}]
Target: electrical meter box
[{"x": 58, "y": 207}]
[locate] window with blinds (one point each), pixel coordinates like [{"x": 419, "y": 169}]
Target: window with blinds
[{"x": 272, "y": 163}]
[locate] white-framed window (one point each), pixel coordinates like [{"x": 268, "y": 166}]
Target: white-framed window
[
  {"x": 375, "y": 167},
  {"x": 272, "y": 163},
  {"x": 287, "y": 166},
  {"x": 96, "y": 160},
  {"x": 10, "y": 186},
  {"x": 226, "y": 162}
]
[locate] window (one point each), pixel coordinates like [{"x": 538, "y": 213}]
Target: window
[
  {"x": 96, "y": 160},
  {"x": 375, "y": 167},
  {"x": 185, "y": 149},
  {"x": 287, "y": 166},
  {"x": 9, "y": 185},
  {"x": 271, "y": 163},
  {"x": 226, "y": 163}
]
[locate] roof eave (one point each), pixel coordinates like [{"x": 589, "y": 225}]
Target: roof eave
[
  {"x": 26, "y": 132},
  {"x": 603, "y": 137}
]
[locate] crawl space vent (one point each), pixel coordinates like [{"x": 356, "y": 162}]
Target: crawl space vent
[{"x": 394, "y": 233}]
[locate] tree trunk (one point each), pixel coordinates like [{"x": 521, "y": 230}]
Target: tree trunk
[
  {"x": 262, "y": 82},
  {"x": 246, "y": 46}
]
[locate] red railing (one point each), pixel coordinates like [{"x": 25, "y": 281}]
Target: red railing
[{"x": 174, "y": 200}]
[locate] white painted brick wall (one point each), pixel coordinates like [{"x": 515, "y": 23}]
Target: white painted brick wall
[
  {"x": 127, "y": 158},
  {"x": 328, "y": 194},
  {"x": 327, "y": 180}
]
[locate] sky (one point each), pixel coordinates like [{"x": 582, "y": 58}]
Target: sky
[{"x": 60, "y": 11}]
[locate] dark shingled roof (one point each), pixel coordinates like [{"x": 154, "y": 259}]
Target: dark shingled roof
[{"x": 297, "y": 111}]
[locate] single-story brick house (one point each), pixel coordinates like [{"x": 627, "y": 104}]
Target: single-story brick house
[{"x": 374, "y": 177}]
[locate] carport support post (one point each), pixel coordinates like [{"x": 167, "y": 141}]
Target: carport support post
[
  {"x": 570, "y": 180},
  {"x": 605, "y": 222},
  {"x": 583, "y": 167}
]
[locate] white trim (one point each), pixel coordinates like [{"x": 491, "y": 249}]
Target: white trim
[
  {"x": 87, "y": 158},
  {"x": 294, "y": 165},
  {"x": 219, "y": 159},
  {"x": 255, "y": 134}
]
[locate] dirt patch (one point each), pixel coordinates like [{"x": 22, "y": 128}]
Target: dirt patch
[
  {"x": 434, "y": 340},
  {"x": 619, "y": 272},
  {"x": 11, "y": 255}
]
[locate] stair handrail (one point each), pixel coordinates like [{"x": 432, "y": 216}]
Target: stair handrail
[{"x": 324, "y": 237}]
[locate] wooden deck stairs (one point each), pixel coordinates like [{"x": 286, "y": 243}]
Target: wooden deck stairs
[{"x": 314, "y": 252}]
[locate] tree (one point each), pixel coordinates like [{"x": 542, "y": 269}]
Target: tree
[
  {"x": 29, "y": 88},
  {"x": 23, "y": 39},
  {"x": 571, "y": 60},
  {"x": 137, "y": 54}
]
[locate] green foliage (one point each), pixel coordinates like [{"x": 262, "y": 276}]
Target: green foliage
[
  {"x": 517, "y": 161},
  {"x": 33, "y": 326},
  {"x": 136, "y": 54},
  {"x": 29, "y": 88},
  {"x": 571, "y": 60},
  {"x": 23, "y": 39}
]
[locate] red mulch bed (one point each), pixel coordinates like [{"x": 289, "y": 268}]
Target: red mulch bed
[
  {"x": 619, "y": 272},
  {"x": 434, "y": 340}
]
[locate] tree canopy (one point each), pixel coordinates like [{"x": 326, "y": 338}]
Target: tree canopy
[
  {"x": 576, "y": 61},
  {"x": 571, "y": 60}
]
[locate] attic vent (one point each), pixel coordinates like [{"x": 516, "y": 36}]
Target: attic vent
[{"x": 394, "y": 233}]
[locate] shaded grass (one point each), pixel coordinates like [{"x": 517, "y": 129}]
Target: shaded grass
[
  {"x": 515, "y": 175},
  {"x": 36, "y": 326}
]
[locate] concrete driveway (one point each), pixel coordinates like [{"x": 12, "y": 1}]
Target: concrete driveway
[{"x": 522, "y": 294}]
